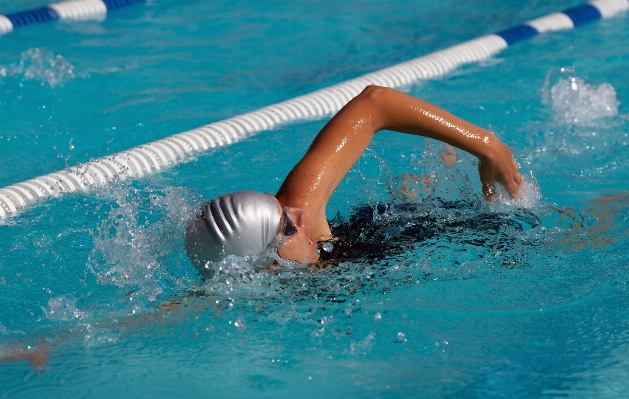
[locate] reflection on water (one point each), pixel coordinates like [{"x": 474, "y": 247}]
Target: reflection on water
[{"x": 607, "y": 215}]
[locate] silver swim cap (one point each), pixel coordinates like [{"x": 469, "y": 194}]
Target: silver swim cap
[{"x": 241, "y": 223}]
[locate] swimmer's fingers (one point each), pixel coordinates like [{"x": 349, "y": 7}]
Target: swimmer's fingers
[
  {"x": 517, "y": 179},
  {"x": 516, "y": 175},
  {"x": 503, "y": 170},
  {"x": 513, "y": 179},
  {"x": 513, "y": 188},
  {"x": 488, "y": 180}
]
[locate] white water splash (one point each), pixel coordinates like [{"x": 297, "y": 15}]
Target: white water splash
[
  {"x": 584, "y": 118},
  {"x": 139, "y": 246},
  {"x": 575, "y": 102},
  {"x": 41, "y": 65},
  {"x": 529, "y": 195},
  {"x": 63, "y": 309}
]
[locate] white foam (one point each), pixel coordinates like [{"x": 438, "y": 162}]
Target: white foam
[
  {"x": 575, "y": 102},
  {"x": 41, "y": 65},
  {"x": 62, "y": 308},
  {"x": 530, "y": 195},
  {"x": 140, "y": 243}
]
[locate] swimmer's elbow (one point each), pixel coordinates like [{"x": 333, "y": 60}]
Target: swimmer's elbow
[
  {"x": 374, "y": 94},
  {"x": 373, "y": 103}
]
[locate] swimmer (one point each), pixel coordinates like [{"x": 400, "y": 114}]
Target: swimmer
[{"x": 293, "y": 221}]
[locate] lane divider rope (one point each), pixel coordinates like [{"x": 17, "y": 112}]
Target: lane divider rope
[
  {"x": 72, "y": 9},
  {"x": 155, "y": 156}
]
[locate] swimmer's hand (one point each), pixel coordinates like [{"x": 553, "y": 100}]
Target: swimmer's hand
[{"x": 499, "y": 167}]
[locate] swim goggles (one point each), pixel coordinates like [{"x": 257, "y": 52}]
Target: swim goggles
[{"x": 287, "y": 228}]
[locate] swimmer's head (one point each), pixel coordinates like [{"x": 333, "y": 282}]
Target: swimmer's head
[{"x": 241, "y": 223}]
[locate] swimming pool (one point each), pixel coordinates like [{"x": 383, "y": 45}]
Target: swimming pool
[{"x": 533, "y": 307}]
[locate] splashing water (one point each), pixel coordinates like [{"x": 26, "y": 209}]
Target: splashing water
[
  {"x": 139, "y": 246},
  {"x": 63, "y": 309},
  {"x": 41, "y": 65},
  {"x": 529, "y": 194},
  {"x": 584, "y": 119},
  {"x": 575, "y": 102},
  {"x": 138, "y": 250}
]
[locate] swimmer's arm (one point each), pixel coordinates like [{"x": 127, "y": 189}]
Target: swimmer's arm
[
  {"x": 37, "y": 356},
  {"x": 345, "y": 137}
]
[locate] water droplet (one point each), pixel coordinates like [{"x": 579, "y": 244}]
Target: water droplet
[
  {"x": 377, "y": 317},
  {"x": 401, "y": 337},
  {"x": 328, "y": 247}
]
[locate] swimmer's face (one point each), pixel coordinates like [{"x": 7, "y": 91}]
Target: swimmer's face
[{"x": 299, "y": 248}]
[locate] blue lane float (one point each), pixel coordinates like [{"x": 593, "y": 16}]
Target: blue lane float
[
  {"x": 32, "y": 16},
  {"x": 73, "y": 9},
  {"x": 582, "y": 14},
  {"x": 517, "y": 34},
  {"x": 157, "y": 155}
]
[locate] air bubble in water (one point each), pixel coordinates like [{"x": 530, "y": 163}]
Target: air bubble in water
[
  {"x": 377, "y": 317},
  {"x": 401, "y": 337},
  {"x": 241, "y": 325}
]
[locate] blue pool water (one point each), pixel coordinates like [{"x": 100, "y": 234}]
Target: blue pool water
[{"x": 487, "y": 301}]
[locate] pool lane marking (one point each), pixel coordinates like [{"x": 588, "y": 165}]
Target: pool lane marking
[
  {"x": 178, "y": 148},
  {"x": 71, "y": 10},
  {"x": 19, "y": 191},
  {"x": 79, "y": 9},
  {"x": 32, "y": 187},
  {"x": 5, "y": 25},
  {"x": 10, "y": 206},
  {"x": 62, "y": 177}
]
